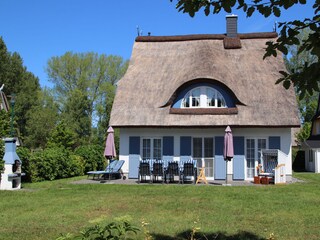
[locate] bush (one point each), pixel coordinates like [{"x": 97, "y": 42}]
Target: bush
[
  {"x": 54, "y": 163},
  {"x": 24, "y": 155},
  {"x": 114, "y": 230},
  {"x": 92, "y": 156},
  {"x": 1, "y": 149}
]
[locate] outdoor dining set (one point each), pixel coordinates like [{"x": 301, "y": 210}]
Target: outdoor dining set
[{"x": 151, "y": 170}]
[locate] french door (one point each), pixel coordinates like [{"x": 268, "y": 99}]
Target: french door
[
  {"x": 253, "y": 154},
  {"x": 203, "y": 152},
  {"x": 151, "y": 148}
]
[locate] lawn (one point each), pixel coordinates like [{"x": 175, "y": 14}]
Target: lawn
[{"x": 47, "y": 209}]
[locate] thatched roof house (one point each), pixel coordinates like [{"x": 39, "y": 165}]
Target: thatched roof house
[
  {"x": 180, "y": 91},
  {"x": 160, "y": 66}
]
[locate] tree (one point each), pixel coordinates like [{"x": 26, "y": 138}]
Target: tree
[
  {"x": 82, "y": 83},
  {"x": 295, "y": 61},
  {"x": 62, "y": 136},
  {"x": 4, "y": 124},
  {"x": 41, "y": 120},
  {"x": 307, "y": 78},
  {"x": 19, "y": 81}
]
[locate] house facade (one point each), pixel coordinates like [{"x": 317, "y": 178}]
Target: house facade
[
  {"x": 312, "y": 144},
  {"x": 181, "y": 92}
]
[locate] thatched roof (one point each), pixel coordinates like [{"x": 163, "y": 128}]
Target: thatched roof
[{"x": 159, "y": 66}]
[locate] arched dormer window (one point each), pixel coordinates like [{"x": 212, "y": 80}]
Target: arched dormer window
[{"x": 203, "y": 97}]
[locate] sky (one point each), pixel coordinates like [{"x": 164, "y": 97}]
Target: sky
[{"x": 41, "y": 29}]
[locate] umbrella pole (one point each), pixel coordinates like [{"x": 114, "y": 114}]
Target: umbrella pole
[{"x": 226, "y": 171}]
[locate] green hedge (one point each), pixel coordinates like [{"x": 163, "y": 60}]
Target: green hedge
[
  {"x": 58, "y": 162},
  {"x": 93, "y": 157},
  {"x": 54, "y": 163}
]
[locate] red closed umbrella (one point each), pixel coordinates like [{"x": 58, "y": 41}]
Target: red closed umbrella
[
  {"x": 228, "y": 152},
  {"x": 110, "y": 150},
  {"x": 228, "y": 144}
]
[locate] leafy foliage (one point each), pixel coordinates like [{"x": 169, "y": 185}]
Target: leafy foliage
[
  {"x": 84, "y": 87},
  {"x": 116, "y": 230},
  {"x": 24, "y": 155},
  {"x": 306, "y": 79},
  {"x": 19, "y": 81},
  {"x": 304, "y": 132},
  {"x": 92, "y": 156},
  {"x": 54, "y": 163},
  {"x": 41, "y": 120},
  {"x": 4, "y": 123},
  {"x": 62, "y": 136}
]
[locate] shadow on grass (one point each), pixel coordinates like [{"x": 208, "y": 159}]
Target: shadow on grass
[{"x": 209, "y": 236}]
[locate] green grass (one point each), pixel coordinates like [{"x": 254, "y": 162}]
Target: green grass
[{"x": 46, "y": 210}]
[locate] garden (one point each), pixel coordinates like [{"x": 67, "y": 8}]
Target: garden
[{"x": 61, "y": 209}]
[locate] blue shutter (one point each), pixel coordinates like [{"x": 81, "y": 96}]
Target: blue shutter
[
  {"x": 219, "y": 162},
  {"x": 185, "y": 146},
  {"x": 274, "y": 142},
  {"x": 167, "y": 146},
  {"x": 238, "y": 159},
  {"x": 134, "y": 156}
]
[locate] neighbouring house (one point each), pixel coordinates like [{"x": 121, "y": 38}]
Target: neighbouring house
[
  {"x": 181, "y": 92},
  {"x": 312, "y": 144}
]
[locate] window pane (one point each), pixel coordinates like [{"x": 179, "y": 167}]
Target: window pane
[
  {"x": 208, "y": 147},
  {"x": 250, "y": 151},
  {"x": 146, "y": 149},
  {"x": 262, "y": 144},
  {"x": 221, "y": 101},
  {"x": 157, "y": 149},
  {"x": 195, "y": 97},
  {"x": 211, "y": 98},
  {"x": 197, "y": 147},
  {"x": 186, "y": 101}
]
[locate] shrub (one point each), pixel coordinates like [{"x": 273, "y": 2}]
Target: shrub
[
  {"x": 24, "y": 155},
  {"x": 92, "y": 156},
  {"x": 54, "y": 163},
  {"x": 114, "y": 230}
]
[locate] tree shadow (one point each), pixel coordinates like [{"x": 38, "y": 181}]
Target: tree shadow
[{"x": 243, "y": 235}]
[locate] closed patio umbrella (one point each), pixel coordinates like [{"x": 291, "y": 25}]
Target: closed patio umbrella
[
  {"x": 110, "y": 149},
  {"x": 228, "y": 148}
]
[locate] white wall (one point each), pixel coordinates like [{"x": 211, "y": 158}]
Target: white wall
[{"x": 284, "y": 133}]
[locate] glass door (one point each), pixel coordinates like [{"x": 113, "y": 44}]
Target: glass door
[
  {"x": 253, "y": 154},
  {"x": 151, "y": 148},
  {"x": 203, "y": 153}
]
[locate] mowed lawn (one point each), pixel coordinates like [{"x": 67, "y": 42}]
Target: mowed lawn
[{"x": 46, "y": 210}]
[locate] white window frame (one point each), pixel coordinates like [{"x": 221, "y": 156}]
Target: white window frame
[
  {"x": 256, "y": 153},
  {"x": 203, "y": 159},
  {"x": 203, "y": 98}
]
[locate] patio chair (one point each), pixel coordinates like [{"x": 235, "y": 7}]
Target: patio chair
[
  {"x": 114, "y": 172},
  {"x": 189, "y": 169},
  {"x": 99, "y": 173},
  {"x": 157, "y": 170},
  {"x": 144, "y": 171},
  {"x": 171, "y": 171}
]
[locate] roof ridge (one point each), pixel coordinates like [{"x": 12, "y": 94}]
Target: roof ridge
[{"x": 193, "y": 37}]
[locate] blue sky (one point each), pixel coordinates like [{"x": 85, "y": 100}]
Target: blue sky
[{"x": 41, "y": 29}]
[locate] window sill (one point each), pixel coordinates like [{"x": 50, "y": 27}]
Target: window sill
[{"x": 204, "y": 111}]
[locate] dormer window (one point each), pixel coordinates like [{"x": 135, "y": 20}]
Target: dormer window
[{"x": 203, "y": 97}]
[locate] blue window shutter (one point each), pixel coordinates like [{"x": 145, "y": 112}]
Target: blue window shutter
[
  {"x": 238, "y": 144},
  {"x": 219, "y": 162},
  {"x": 168, "y": 146},
  {"x": 274, "y": 142},
  {"x": 185, "y": 146},
  {"x": 134, "y": 156},
  {"x": 134, "y": 145},
  {"x": 238, "y": 160}
]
